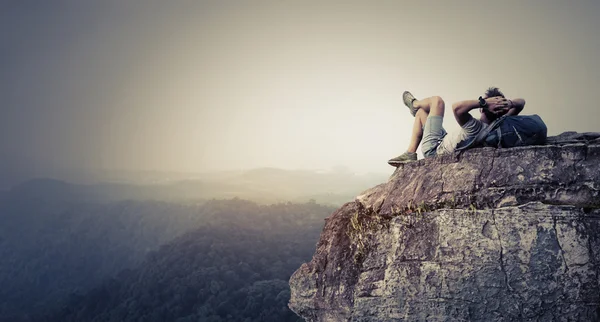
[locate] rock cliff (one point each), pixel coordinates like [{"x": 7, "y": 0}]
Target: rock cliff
[{"x": 487, "y": 234}]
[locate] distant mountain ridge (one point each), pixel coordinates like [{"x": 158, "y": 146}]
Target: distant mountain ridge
[
  {"x": 263, "y": 185},
  {"x": 59, "y": 238}
]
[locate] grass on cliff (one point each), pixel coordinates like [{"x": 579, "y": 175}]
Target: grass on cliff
[{"x": 366, "y": 222}]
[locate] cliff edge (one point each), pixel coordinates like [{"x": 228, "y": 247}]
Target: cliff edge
[{"x": 487, "y": 234}]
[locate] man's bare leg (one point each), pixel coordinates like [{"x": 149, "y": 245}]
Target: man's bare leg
[
  {"x": 417, "y": 131},
  {"x": 430, "y": 106}
]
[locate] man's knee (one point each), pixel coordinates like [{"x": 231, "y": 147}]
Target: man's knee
[
  {"x": 437, "y": 101},
  {"x": 437, "y": 106}
]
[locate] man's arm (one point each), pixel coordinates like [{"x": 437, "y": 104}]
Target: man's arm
[
  {"x": 496, "y": 105},
  {"x": 461, "y": 110},
  {"x": 516, "y": 106}
]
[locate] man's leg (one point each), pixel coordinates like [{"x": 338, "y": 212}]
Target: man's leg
[
  {"x": 429, "y": 106},
  {"x": 433, "y": 106},
  {"x": 417, "y": 131}
]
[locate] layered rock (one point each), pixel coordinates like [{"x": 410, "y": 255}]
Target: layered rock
[{"x": 487, "y": 234}]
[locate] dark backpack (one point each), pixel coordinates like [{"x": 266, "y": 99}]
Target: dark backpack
[{"x": 510, "y": 131}]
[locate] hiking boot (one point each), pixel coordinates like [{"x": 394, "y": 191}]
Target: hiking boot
[
  {"x": 408, "y": 99},
  {"x": 404, "y": 158}
]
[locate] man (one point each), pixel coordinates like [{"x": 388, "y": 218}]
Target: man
[{"x": 429, "y": 115}]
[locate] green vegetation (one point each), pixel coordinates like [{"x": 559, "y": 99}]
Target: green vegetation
[
  {"x": 364, "y": 223},
  {"x": 97, "y": 262},
  {"x": 211, "y": 274},
  {"x": 361, "y": 227}
]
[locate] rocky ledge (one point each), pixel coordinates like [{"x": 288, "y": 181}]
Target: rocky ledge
[{"x": 483, "y": 235}]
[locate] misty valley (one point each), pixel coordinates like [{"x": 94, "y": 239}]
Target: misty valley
[{"x": 171, "y": 252}]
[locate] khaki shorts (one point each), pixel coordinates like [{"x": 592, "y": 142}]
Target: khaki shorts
[{"x": 433, "y": 134}]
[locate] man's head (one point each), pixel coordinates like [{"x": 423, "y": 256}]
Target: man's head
[{"x": 491, "y": 92}]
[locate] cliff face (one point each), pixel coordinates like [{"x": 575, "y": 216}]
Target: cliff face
[{"x": 489, "y": 234}]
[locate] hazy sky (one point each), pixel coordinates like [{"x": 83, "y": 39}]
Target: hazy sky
[{"x": 210, "y": 85}]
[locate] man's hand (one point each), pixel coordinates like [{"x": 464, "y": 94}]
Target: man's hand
[{"x": 498, "y": 105}]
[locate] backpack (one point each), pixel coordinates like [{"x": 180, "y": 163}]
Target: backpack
[{"x": 510, "y": 131}]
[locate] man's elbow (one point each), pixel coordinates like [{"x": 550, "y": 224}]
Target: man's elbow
[
  {"x": 460, "y": 109},
  {"x": 520, "y": 103},
  {"x": 457, "y": 107}
]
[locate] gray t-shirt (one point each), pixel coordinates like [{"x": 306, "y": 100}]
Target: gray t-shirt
[{"x": 467, "y": 131}]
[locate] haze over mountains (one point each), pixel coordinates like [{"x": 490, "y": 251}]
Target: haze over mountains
[
  {"x": 263, "y": 185},
  {"x": 86, "y": 252}
]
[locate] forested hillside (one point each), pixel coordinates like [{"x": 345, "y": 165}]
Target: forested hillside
[
  {"x": 51, "y": 249},
  {"x": 55, "y": 252},
  {"x": 215, "y": 274}
]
